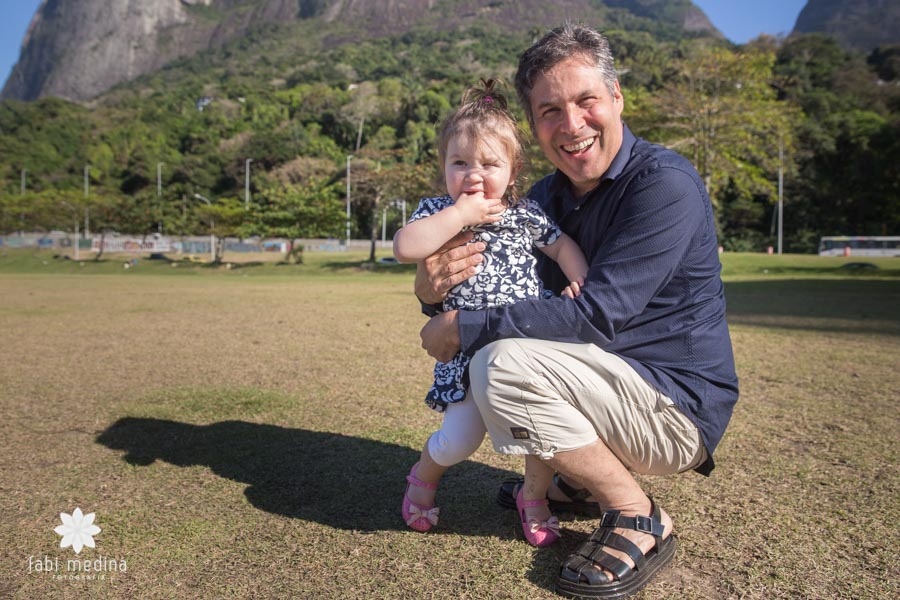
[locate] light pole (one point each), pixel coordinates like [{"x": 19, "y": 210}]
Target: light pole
[
  {"x": 22, "y": 183},
  {"x": 349, "y": 156},
  {"x": 247, "y": 183},
  {"x": 75, "y": 212},
  {"x": 159, "y": 167},
  {"x": 87, "y": 210},
  {"x": 401, "y": 205},
  {"x": 212, "y": 225},
  {"x": 780, "y": 189}
]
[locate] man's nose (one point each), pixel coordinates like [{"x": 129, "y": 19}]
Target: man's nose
[{"x": 572, "y": 120}]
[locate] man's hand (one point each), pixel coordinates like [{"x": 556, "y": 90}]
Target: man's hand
[
  {"x": 452, "y": 264},
  {"x": 440, "y": 336}
]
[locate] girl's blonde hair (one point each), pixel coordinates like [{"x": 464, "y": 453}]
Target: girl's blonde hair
[{"x": 484, "y": 114}]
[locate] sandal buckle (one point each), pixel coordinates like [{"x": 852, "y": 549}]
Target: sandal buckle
[
  {"x": 609, "y": 519},
  {"x": 643, "y": 524}
]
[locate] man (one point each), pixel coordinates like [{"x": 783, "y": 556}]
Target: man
[{"x": 634, "y": 375}]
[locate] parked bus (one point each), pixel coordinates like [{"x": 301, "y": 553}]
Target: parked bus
[{"x": 860, "y": 245}]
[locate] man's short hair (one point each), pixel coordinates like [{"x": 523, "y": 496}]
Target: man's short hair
[{"x": 556, "y": 46}]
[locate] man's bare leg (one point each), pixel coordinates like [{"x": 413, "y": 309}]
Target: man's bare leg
[
  {"x": 554, "y": 493},
  {"x": 614, "y": 488}
]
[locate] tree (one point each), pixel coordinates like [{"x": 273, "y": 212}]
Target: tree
[
  {"x": 108, "y": 212},
  {"x": 847, "y": 180},
  {"x": 309, "y": 209},
  {"x": 225, "y": 219},
  {"x": 381, "y": 179},
  {"x": 720, "y": 110}
]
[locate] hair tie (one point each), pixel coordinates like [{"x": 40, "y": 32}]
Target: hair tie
[{"x": 488, "y": 99}]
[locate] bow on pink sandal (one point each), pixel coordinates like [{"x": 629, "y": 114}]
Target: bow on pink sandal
[
  {"x": 538, "y": 533},
  {"x": 420, "y": 518}
]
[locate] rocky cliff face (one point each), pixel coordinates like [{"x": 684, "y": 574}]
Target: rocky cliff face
[
  {"x": 77, "y": 49},
  {"x": 858, "y": 24}
]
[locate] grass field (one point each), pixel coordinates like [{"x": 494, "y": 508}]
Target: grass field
[{"x": 245, "y": 432}]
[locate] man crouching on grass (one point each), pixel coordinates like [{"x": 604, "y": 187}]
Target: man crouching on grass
[{"x": 635, "y": 375}]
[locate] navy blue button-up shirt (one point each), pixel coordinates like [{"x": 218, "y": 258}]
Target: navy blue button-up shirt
[{"x": 653, "y": 294}]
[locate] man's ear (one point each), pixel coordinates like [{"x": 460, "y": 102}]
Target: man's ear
[{"x": 618, "y": 98}]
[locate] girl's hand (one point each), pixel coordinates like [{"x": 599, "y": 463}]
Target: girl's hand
[
  {"x": 475, "y": 209},
  {"x": 573, "y": 290}
]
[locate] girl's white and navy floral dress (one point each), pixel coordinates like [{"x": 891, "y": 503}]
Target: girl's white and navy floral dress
[{"x": 507, "y": 276}]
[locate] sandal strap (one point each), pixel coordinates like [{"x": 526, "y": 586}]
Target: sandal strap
[
  {"x": 574, "y": 494},
  {"x": 592, "y": 553},
  {"x": 419, "y": 483},
  {"x": 411, "y": 478},
  {"x": 588, "y": 568},
  {"x": 594, "y": 548},
  {"x": 532, "y": 503},
  {"x": 613, "y": 518}
]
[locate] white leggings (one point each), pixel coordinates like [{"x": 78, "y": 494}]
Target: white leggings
[{"x": 460, "y": 434}]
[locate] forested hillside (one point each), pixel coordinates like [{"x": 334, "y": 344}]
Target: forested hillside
[
  {"x": 290, "y": 110},
  {"x": 860, "y": 24}
]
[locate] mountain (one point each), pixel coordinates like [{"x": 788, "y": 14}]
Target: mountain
[
  {"x": 857, "y": 24},
  {"x": 77, "y": 49}
]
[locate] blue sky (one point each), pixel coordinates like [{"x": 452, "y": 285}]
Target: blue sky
[{"x": 739, "y": 20}]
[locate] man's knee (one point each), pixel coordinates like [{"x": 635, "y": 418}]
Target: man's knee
[{"x": 496, "y": 367}]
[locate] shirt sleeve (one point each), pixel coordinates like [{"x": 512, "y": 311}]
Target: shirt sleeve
[
  {"x": 659, "y": 214},
  {"x": 428, "y": 207},
  {"x": 542, "y": 228}
]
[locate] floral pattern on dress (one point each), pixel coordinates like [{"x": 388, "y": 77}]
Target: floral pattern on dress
[{"x": 507, "y": 276}]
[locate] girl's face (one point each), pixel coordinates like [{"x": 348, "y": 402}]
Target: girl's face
[{"x": 477, "y": 167}]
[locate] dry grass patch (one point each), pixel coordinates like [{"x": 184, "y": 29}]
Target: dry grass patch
[{"x": 248, "y": 437}]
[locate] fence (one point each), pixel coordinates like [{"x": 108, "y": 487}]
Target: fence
[{"x": 166, "y": 244}]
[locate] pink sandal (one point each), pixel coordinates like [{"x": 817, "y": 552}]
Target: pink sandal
[
  {"x": 420, "y": 518},
  {"x": 538, "y": 533}
]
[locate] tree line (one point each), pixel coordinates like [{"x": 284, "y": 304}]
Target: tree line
[{"x": 140, "y": 158}]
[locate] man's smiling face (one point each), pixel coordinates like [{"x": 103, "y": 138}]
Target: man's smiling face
[{"x": 577, "y": 122}]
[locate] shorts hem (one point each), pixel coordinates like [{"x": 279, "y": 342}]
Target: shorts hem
[{"x": 523, "y": 449}]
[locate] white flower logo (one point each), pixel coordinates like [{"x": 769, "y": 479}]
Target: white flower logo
[{"x": 78, "y": 530}]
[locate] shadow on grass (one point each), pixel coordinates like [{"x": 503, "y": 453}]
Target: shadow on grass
[
  {"x": 344, "y": 482},
  {"x": 839, "y": 305},
  {"x": 364, "y": 265}
]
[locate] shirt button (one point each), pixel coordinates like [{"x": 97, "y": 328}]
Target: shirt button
[{"x": 578, "y": 207}]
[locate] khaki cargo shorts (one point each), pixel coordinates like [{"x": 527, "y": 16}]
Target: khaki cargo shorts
[{"x": 541, "y": 397}]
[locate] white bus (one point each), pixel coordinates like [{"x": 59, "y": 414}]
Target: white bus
[{"x": 860, "y": 245}]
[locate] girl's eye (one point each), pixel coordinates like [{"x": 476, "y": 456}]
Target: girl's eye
[{"x": 459, "y": 163}]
